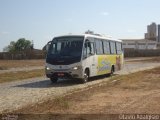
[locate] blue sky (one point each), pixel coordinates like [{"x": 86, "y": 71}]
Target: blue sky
[{"x": 41, "y": 20}]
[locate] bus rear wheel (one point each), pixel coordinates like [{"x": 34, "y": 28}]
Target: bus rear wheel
[{"x": 112, "y": 70}]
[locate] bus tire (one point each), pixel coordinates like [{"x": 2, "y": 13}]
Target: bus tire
[
  {"x": 85, "y": 77},
  {"x": 54, "y": 79},
  {"x": 112, "y": 70}
]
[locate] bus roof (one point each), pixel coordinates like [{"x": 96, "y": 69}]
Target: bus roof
[
  {"x": 91, "y": 35},
  {"x": 102, "y": 37}
]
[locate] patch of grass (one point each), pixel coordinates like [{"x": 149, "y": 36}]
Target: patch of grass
[
  {"x": 153, "y": 71},
  {"x": 146, "y": 79},
  {"x": 3, "y": 68},
  {"x": 20, "y": 63},
  {"x": 133, "y": 82},
  {"x": 14, "y": 76},
  {"x": 61, "y": 103}
]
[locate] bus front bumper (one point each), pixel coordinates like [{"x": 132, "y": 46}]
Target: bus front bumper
[{"x": 64, "y": 73}]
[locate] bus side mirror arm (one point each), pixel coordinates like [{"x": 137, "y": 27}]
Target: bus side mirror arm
[{"x": 48, "y": 45}]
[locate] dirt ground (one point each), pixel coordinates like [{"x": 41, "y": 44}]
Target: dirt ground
[{"x": 128, "y": 94}]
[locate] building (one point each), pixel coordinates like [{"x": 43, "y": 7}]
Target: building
[
  {"x": 139, "y": 44},
  {"x": 158, "y": 40},
  {"x": 151, "y": 32},
  {"x": 151, "y": 40}
]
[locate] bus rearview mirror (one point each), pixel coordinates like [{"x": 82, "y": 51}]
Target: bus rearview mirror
[{"x": 48, "y": 45}]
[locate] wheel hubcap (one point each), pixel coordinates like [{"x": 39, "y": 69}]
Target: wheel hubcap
[{"x": 85, "y": 77}]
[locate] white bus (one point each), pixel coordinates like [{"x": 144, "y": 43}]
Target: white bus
[{"x": 83, "y": 56}]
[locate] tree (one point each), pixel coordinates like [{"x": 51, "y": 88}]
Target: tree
[
  {"x": 20, "y": 45},
  {"x": 10, "y": 48}
]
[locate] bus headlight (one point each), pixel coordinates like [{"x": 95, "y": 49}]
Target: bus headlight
[
  {"x": 76, "y": 68},
  {"x": 48, "y": 68}
]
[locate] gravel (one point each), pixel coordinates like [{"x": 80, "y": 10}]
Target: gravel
[{"x": 15, "y": 95}]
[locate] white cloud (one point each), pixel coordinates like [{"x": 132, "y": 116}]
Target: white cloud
[
  {"x": 4, "y": 33},
  {"x": 104, "y": 13}
]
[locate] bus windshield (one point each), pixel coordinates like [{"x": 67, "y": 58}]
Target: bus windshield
[{"x": 66, "y": 49}]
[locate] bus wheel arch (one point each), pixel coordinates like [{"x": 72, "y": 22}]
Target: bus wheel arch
[
  {"x": 86, "y": 75},
  {"x": 88, "y": 71}
]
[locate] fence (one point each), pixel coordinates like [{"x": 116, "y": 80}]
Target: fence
[
  {"x": 141, "y": 53},
  {"x": 22, "y": 55},
  {"x": 42, "y": 54}
]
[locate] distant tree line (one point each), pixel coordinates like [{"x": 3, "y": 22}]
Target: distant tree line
[{"x": 20, "y": 45}]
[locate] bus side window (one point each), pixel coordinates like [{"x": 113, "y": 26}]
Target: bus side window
[
  {"x": 99, "y": 47},
  {"x": 119, "y": 47},
  {"x": 106, "y": 47},
  {"x": 113, "y": 47}
]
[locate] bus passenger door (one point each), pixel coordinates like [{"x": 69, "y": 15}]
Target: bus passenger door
[
  {"x": 93, "y": 65},
  {"x": 89, "y": 57}
]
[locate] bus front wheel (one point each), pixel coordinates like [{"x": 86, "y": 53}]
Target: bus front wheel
[
  {"x": 85, "y": 76},
  {"x": 54, "y": 79}
]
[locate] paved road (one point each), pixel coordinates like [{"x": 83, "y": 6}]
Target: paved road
[{"x": 15, "y": 95}]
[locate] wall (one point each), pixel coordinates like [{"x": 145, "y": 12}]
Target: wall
[
  {"x": 141, "y": 53},
  {"x": 139, "y": 44}
]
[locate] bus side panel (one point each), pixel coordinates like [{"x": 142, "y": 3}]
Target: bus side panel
[
  {"x": 105, "y": 63},
  {"x": 91, "y": 63}
]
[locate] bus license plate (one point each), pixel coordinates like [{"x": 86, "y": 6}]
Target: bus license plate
[{"x": 60, "y": 74}]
